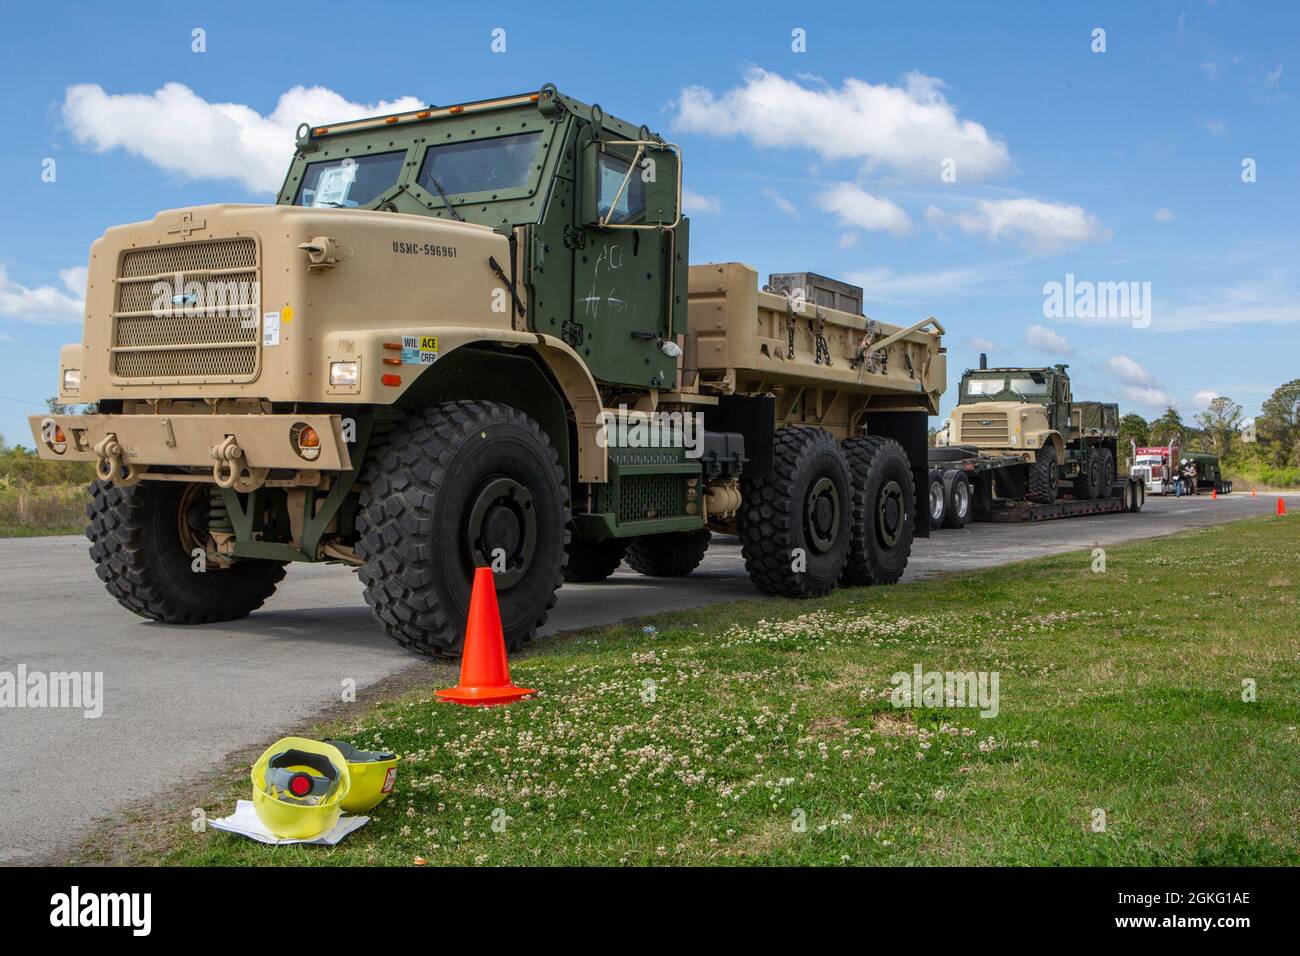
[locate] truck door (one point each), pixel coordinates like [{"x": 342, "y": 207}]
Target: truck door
[{"x": 621, "y": 281}]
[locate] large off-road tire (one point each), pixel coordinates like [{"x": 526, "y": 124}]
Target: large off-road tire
[
  {"x": 1108, "y": 471},
  {"x": 1089, "y": 482},
  {"x": 450, "y": 487},
  {"x": 884, "y": 505},
  {"x": 671, "y": 555},
  {"x": 141, "y": 540},
  {"x": 795, "y": 523},
  {"x": 1042, "y": 476},
  {"x": 938, "y": 501},
  {"x": 591, "y": 560},
  {"x": 959, "y": 500}
]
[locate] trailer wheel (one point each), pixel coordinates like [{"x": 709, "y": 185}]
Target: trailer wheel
[
  {"x": 959, "y": 500},
  {"x": 938, "y": 500},
  {"x": 591, "y": 560},
  {"x": 1088, "y": 482},
  {"x": 795, "y": 522},
  {"x": 1042, "y": 476},
  {"x": 459, "y": 486},
  {"x": 884, "y": 503},
  {"x": 671, "y": 555},
  {"x": 142, "y": 540}
]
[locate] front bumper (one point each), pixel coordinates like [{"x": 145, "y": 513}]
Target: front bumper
[{"x": 190, "y": 441}]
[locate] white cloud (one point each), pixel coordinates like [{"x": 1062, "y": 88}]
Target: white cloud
[
  {"x": 178, "y": 131},
  {"x": 849, "y": 239},
  {"x": 46, "y": 303},
  {"x": 1045, "y": 340},
  {"x": 781, "y": 203},
  {"x": 983, "y": 345},
  {"x": 1164, "y": 215},
  {"x": 1136, "y": 383},
  {"x": 884, "y": 285},
  {"x": 1037, "y": 225},
  {"x": 1203, "y": 398},
  {"x": 1270, "y": 299},
  {"x": 910, "y": 128},
  {"x": 1214, "y": 127},
  {"x": 859, "y": 209},
  {"x": 1148, "y": 396},
  {"x": 694, "y": 203}
]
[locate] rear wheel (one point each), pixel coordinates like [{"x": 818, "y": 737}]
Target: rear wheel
[
  {"x": 1088, "y": 482},
  {"x": 1108, "y": 471},
  {"x": 794, "y": 523},
  {"x": 670, "y": 555},
  {"x": 591, "y": 560},
  {"x": 1042, "y": 479},
  {"x": 144, "y": 541},
  {"x": 938, "y": 500},
  {"x": 959, "y": 502},
  {"x": 460, "y": 486},
  {"x": 883, "y": 505}
]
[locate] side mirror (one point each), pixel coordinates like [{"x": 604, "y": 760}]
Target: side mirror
[{"x": 631, "y": 184}]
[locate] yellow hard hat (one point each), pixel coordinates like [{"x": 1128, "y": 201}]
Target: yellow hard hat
[
  {"x": 299, "y": 787},
  {"x": 373, "y": 775}
]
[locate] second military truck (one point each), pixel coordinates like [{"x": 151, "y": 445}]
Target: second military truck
[
  {"x": 469, "y": 336},
  {"x": 1029, "y": 416}
]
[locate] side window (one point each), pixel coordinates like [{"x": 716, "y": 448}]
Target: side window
[{"x": 631, "y": 204}]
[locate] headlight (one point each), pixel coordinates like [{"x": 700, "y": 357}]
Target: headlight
[
  {"x": 72, "y": 380},
  {"x": 343, "y": 373}
]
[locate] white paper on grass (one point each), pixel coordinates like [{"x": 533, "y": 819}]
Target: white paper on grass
[{"x": 244, "y": 821}]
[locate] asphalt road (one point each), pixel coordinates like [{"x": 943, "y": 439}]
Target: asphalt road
[{"x": 178, "y": 700}]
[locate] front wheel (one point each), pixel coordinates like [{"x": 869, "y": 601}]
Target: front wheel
[
  {"x": 1042, "y": 476},
  {"x": 673, "y": 554},
  {"x": 149, "y": 542},
  {"x": 457, "y": 487}
]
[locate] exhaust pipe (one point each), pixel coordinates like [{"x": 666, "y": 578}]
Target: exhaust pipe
[{"x": 984, "y": 361}]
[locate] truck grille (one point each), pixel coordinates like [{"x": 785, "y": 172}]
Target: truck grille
[
  {"x": 214, "y": 338},
  {"x": 650, "y": 496},
  {"x": 986, "y": 428}
]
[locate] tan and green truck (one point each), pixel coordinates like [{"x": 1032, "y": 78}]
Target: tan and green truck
[
  {"x": 467, "y": 336},
  {"x": 1027, "y": 426}
]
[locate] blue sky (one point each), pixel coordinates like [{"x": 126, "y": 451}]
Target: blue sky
[{"x": 1117, "y": 166}]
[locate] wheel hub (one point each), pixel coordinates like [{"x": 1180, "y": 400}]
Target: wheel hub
[
  {"x": 890, "y": 514},
  {"x": 501, "y": 532},
  {"x": 822, "y": 514}
]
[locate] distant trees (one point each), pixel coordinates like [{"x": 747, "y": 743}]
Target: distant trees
[
  {"x": 1278, "y": 425},
  {"x": 1168, "y": 426},
  {"x": 1134, "y": 428},
  {"x": 1219, "y": 424}
]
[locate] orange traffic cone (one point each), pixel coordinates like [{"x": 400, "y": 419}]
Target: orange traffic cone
[
  {"x": 1281, "y": 506},
  {"x": 484, "y": 670},
  {"x": 1214, "y": 494},
  {"x": 1253, "y": 493}
]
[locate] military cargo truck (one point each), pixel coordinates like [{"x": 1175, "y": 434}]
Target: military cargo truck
[
  {"x": 469, "y": 336},
  {"x": 1029, "y": 414}
]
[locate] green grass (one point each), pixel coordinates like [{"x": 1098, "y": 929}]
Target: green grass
[
  {"x": 28, "y": 510},
  {"x": 1120, "y": 691}
]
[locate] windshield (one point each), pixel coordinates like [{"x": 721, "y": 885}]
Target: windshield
[
  {"x": 505, "y": 162},
  {"x": 1031, "y": 386},
  {"x": 349, "y": 182}
]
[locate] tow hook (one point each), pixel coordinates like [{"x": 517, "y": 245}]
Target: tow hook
[
  {"x": 231, "y": 469},
  {"x": 109, "y": 466}
]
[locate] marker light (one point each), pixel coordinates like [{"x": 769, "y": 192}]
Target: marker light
[{"x": 305, "y": 440}]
